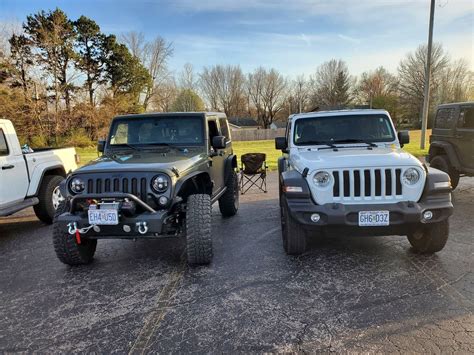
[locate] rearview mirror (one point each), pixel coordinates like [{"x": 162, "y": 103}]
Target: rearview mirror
[
  {"x": 101, "y": 146},
  {"x": 218, "y": 142},
  {"x": 403, "y": 138},
  {"x": 281, "y": 143}
]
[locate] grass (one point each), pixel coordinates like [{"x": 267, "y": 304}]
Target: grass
[{"x": 268, "y": 147}]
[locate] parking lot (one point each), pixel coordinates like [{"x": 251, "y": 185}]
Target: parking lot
[{"x": 345, "y": 293}]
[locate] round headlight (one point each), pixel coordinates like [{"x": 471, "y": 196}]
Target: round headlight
[
  {"x": 322, "y": 179},
  {"x": 77, "y": 185},
  {"x": 411, "y": 176},
  {"x": 159, "y": 183}
]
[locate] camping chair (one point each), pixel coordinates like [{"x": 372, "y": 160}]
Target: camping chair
[{"x": 253, "y": 172}]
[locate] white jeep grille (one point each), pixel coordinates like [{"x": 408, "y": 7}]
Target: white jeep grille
[{"x": 367, "y": 184}]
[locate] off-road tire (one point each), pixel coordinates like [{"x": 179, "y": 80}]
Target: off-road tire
[
  {"x": 45, "y": 210},
  {"x": 198, "y": 229},
  {"x": 229, "y": 201},
  {"x": 430, "y": 238},
  {"x": 293, "y": 234},
  {"x": 441, "y": 162},
  {"x": 65, "y": 245}
]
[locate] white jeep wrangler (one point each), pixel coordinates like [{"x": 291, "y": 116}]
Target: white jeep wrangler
[{"x": 345, "y": 172}]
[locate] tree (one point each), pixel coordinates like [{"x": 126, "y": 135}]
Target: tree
[
  {"x": 223, "y": 86},
  {"x": 153, "y": 56},
  {"x": 456, "y": 82},
  {"x": 91, "y": 54},
  {"x": 53, "y": 33},
  {"x": 411, "y": 74},
  {"x": 266, "y": 91},
  {"x": 331, "y": 85},
  {"x": 187, "y": 101},
  {"x": 22, "y": 56},
  {"x": 124, "y": 71}
]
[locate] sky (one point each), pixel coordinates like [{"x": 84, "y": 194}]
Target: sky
[{"x": 293, "y": 36}]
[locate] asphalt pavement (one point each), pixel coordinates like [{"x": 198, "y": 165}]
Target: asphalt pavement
[{"x": 370, "y": 294}]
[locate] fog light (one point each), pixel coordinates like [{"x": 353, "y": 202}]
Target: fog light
[
  {"x": 427, "y": 215},
  {"x": 163, "y": 200},
  {"x": 315, "y": 217}
]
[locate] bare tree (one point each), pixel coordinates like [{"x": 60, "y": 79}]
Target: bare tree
[
  {"x": 266, "y": 90},
  {"x": 135, "y": 41},
  {"x": 331, "y": 85},
  {"x": 456, "y": 81},
  {"x": 223, "y": 87},
  {"x": 187, "y": 77},
  {"x": 411, "y": 74},
  {"x": 377, "y": 83},
  {"x": 300, "y": 92}
]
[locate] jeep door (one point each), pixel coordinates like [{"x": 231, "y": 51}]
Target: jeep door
[
  {"x": 465, "y": 136},
  {"x": 216, "y": 156}
]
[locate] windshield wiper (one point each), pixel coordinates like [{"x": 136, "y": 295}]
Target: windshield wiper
[
  {"x": 127, "y": 145},
  {"x": 329, "y": 144},
  {"x": 352, "y": 140}
]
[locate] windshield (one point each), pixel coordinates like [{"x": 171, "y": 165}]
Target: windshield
[
  {"x": 343, "y": 129},
  {"x": 157, "y": 131}
]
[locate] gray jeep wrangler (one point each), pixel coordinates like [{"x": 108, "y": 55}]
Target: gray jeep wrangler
[
  {"x": 452, "y": 140},
  {"x": 158, "y": 177}
]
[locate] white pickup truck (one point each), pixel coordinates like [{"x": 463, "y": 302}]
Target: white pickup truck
[{"x": 31, "y": 178}]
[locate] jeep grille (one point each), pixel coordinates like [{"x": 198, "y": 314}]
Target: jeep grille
[
  {"x": 367, "y": 184},
  {"x": 137, "y": 186}
]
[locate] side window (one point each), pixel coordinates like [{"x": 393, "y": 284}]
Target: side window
[
  {"x": 213, "y": 130},
  {"x": 466, "y": 118},
  {"x": 224, "y": 129},
  {"x": 445, "y": 118},
  {"x": 3, "y": 144}
]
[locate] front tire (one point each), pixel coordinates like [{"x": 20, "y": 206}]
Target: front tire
[
  {"x": 229, "y": 201},
  {"x": 49, "y": 198},
  {"x": 430, "y": 238},
  {"x": 441, "y": 162},
  {"x": 198, "y": 230},
  {"x": 65, "y": 245},
  {"x": 293, "y": 234}
]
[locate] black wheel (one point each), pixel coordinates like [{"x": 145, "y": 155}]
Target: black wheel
[
  {"x": 293, "y": 234},
  {"x": 65, "y": 245},
  {"x": 430, "y": 238},
  {"x": 441, "y": 162},
  {"x": 49, "y": 198},
  {"x": 198, "y": 229},
  {"x": 229, "y": 201}
]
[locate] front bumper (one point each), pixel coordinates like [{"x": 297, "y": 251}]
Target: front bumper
[
  {"x": 405, "y": 217},
  {"x": 148, "y": 223}
]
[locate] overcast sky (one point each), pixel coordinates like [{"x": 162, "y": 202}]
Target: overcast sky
[{"x": 293, "y": 36}]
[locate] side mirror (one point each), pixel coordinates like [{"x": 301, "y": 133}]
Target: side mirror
[
  {"x": 403, "y": 138},
  {"x": 101, "y": 146},
  {"x": 281, "y": 143},
  {"x": 218, "y": 142}
]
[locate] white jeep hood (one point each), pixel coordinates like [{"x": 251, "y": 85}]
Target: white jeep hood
[{"x": 315, "y": 159}]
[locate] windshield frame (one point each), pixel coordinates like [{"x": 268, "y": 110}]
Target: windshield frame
[
  {"x": 156, "y": 145},
  {"x": 393, "y": 138}
]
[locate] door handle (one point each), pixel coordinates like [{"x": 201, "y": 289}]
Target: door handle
[{"x": 6, "y": 167}]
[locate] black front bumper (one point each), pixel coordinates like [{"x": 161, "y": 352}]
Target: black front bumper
[
  {"x": 405, "y": 217},
  {"x": 157, "y": 221}
]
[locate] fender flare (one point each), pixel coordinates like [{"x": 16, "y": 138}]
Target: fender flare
[
  {"x": 448, "y": 149},
  {"x": 180, "y": 183},
  {"x": 295, "y": 179},
  {"x": 230, "y": 164},
  {"x": 43, "y": 174}
]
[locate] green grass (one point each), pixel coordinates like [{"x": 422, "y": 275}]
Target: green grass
[{"x": 268, "y": 147}]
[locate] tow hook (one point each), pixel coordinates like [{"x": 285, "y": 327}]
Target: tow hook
[
  {"x": 142, "y": 227},
  {"x": 73, "y": 230}
]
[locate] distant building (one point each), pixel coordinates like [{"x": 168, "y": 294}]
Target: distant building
[
  {"x": 238, "y": 124},
  {"x": 278, "y": 124}
]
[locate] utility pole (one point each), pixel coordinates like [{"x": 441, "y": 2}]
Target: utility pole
[{"x": 426, "y": 100}]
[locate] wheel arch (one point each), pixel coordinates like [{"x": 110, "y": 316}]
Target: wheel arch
[
  {"x": 444, "y": 148},
  {"x": 37, "y": 181},
  {"x": 197, "y": 182}
]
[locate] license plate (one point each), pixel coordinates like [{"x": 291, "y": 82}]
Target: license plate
[
  {"x": 103, "y": 217},
  {"x": 374, "y": 218}
]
